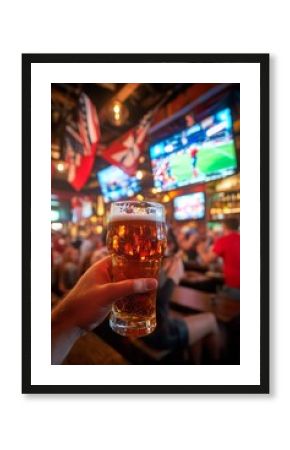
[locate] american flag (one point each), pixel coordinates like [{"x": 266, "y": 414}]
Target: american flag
[{"x": 80, "y": 142}]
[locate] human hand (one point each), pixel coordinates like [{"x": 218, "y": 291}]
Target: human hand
[{"x": 90, "y": 301}]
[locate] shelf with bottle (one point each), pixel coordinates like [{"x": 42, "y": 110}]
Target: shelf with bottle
[{"x": 224, "y": 204}]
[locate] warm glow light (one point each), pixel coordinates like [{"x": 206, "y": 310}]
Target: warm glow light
[
  {"x": 139, "y": 174},
  {"x": 154, "y": 190},
  {"x": 56, "y": 226},
  {"x": 117, "y": 113},
  {"x": 117, "y": 108},
  {"x": 140, "y": 197},
  {"x": 100, "y": 206},
  {"x": 60, "y": 167},
  {"x": 166, "y": 198},
  {"x": 74, "y": 231},
  {"x": 93, "y": 219},
  {"x": 99, "y": 229},
  {"x": 55, "y": 154},
  {"x": 141, "y": 159}
]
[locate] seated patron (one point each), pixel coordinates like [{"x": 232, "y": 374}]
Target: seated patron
[
  {"x": 189, "y": 332},
  {"x": 226, "y": 247}
]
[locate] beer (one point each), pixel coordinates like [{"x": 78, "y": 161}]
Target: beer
[{"x": 136, "y": 239}]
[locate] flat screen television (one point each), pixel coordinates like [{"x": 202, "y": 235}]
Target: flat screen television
[
  {"x": 116, "y": 184},
  {"x": 60, "y": 210},
  {"x": 204, "y": 152},
  {"x": 190, "y": 206}
]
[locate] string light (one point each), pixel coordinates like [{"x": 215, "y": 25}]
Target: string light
[{"x": 139, "y": 174}]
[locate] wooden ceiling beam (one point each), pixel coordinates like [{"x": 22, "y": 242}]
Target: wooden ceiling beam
[
  {"x": 125, "y": 92},
  {"x": 58, "y": 97},
  {"x": 110, "y": 86}
]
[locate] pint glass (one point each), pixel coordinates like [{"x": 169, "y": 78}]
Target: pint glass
[{"x": 136, "y": 240}]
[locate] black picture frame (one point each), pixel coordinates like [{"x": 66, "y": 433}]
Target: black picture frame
[{"x": 263, "y": 61}]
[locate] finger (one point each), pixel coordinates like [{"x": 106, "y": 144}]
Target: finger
[{"x": 113, "y": 291}]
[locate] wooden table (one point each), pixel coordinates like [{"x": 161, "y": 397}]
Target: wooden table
[
  {"x": 202, "y": 281},
  {"x": 193, "y": 276},
  {"x": 225, "y": 309},
  {"x": 90, "y": 350},
  {"x": 193, "y": 265}
]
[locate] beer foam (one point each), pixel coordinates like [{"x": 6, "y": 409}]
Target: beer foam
[{"x": 119, "y": 217}]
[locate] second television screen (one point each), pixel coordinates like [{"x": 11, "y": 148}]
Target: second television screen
[{"x": 190, "y": 206}]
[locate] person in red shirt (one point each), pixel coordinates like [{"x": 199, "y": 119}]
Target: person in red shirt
[{"x": 226, "y": 247}]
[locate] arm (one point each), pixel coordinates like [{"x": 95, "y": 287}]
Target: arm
[
  {"x": 207, "y": 256},
  {"x": 88, "y": 304},
  {"x": 186, "y": 243},
  {"x": 63, "y": 336}
]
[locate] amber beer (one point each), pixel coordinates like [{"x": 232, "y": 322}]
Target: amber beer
[{"x": 136, "y": 239}]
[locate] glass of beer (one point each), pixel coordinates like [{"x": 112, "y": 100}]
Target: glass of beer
[{"x": 136, "y": 239}]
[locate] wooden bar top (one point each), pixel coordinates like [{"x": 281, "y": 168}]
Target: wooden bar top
[{"x": 224, "y": 308}]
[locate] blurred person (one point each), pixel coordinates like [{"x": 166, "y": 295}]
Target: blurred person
[
  {"x": 101, "y": 250},
  {"x": 189, "y": 332},
  {"x": 87, "y": 246},
  {"x": 58, "y": 242},
  {"x": 88, "y": 304},
  {"x": 187, "y": 242},
  {"x": 172, "y": 246},
  {"x": 226, "y": 247},
  {"x": 69, "y": 269}
]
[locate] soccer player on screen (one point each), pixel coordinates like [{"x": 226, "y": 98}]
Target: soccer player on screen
[{"x": 193, "y": 154}]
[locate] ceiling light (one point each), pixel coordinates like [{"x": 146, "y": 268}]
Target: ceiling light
[{"x": 117, "y": 113}]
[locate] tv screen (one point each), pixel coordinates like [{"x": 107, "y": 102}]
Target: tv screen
[
  {"x": 203, "y": 152},
  {"x": 116, "y": 184},
  {"x": 60, "y": 210},
  {"x": 191, "y": 206}
]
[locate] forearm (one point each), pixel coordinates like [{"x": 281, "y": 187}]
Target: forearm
[
  {"x": 207, "y": 256},
  {"x": 204, "y": 257},
  {"x": 63, "y": 335}
]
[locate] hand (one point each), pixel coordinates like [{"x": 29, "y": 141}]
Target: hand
[
  {"x": 176, "y": 269},
  {"x": 90, "y": 301},
  {"x": 88, "y": 304},
  {"x": 201, "y": 247}
]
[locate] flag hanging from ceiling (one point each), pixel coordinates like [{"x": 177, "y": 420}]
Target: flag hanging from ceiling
[
  {"x": 125, "y": 151},
  {"x": 81, "y": 141}
]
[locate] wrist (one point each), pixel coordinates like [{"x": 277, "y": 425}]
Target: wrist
[{"x": 64, "y": 332}]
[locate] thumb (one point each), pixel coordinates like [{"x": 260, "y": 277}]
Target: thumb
[{"x": 114, "y": 291}]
